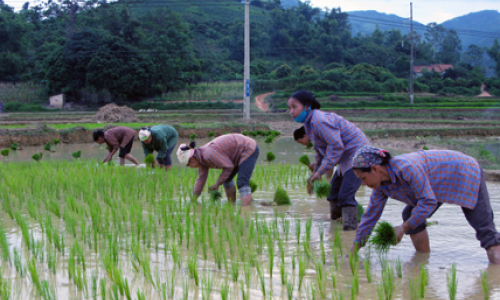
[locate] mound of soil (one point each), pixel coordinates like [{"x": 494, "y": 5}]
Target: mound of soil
[{"x": 113, "y": 113}]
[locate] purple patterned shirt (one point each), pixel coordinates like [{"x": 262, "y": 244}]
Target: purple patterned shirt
[
  {"x": 335, "y": 140},
  {"x": 422, "y": 179},
  {"x": 224, "y": 153}
]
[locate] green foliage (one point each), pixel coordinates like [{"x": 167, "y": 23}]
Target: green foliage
[
  {"x": 78, "y": 154},
  {"x": 186, "y": 105},
  {"x": 281, "y": 197},
  {"x": 56, "y": 141},
  {"x": 304, "y": 159},
  {"x": 270, "y": 156},
  {"x": 5, "y": 152},
  {"x": 37, "y": 156},
  {"x": 14, "y": 146},
  {"x": 192, "y": 136},
  {"x": 149, "y": 159},
  {"x": 383, "y": 237},
  {"x": 269, "y": 139},
  {"x": 215, "y": 195},
  {"x": 321, "y": 188},
  {"x": 253, "y": 186},
  {"x": 211, "y": 134},
  {"x": 245, "y": 133},
  {"x": 47, "y": 147}
]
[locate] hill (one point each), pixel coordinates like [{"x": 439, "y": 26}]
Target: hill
[{"x": 366, "y": 21}]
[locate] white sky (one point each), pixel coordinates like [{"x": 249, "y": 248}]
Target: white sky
[{"x": 424, "y": 11}]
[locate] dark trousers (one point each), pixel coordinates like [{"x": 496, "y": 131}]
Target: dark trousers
[
  {"x": 344, "y": 188},
  {"x": 480, "y": 218}
]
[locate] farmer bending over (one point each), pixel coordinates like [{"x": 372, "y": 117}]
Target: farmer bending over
[
  {"x": 335, "y": 142},
  {"x": 160, "y": 138},
  {"x": 233, "y": 153},
  {"x": 300, "y": 137},
  {"x": 118, "y": 138},
  {"x": 424, "y": 180}
]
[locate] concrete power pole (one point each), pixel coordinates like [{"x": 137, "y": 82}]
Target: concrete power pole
[
  {"x": 411, "y": 53},
  {"x": 246, "y": 98}
]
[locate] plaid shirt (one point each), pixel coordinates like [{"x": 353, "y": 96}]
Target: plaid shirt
[
  {"x": 422, "y": 179},
  {"x": 335, "y": 140},
  {"x": 224, "y": 152},
  {"x": 118, "y": 137}
]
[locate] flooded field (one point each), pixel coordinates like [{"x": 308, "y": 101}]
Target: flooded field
[{"x": 73, "y": 230}]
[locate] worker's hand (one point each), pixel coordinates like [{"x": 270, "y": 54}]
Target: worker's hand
[
  {"x": 214, "y": 187},
  {"x": 315, "y": 176},
  {"x": 154, "y": 163},
  {"x": 311, "y": 166},
  {"x": 399, "y": 233}
]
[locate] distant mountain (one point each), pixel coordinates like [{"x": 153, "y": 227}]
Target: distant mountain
[
  {"x": 289, "y": 3},
  {"x": 478, "y": 28},
  {"x": 365, "y": 22}
]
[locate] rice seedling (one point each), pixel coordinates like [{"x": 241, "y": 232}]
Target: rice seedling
[
  {"x": 384, "y": 236},
  {"x": 270, "y": 156},
  {"x": 424, "y": 279},
  {"x": 192, "y": 136},
  {"x": 35, "y": 279},
  {"x": 78, "y": 154},
  {"x": 338, "y": 295},
  {"x": 262, "y": 280},
  {"x": 193, "y": 270},
  {"x": 211, "y": 134},
  {"x": 215, "y": 195},
  {"x": 290, "y": 283},
  {"x": 353, "y": 261},
  {"x": 413, "y": 284},
  {"x": 14, "y": 146},
  {"x": 308, "y": 230},
  {"x": 282, "y": 273},
  {"x": 47, "y": 292},
  {"x": 235, "y": 270},
  {"x": 304, "y": 159},
  {"x": 320, "y": 279},
  {"x": 388, "y": 282},
  {"x": 297, "y": 230},
  {"x": 4, "y": 244},
  {"x": 37, "y": 156},
  {"x": 253, "y": 186},
  {"x": 302, "y": 270},
  {"x": 485, "y": 284},
  {"x": 18, "y": 263},
  {"x": 5, "y": 152},
  {"x": 102, "y": 286},
  {"x": 245, "y": 132},
  {"x": 206, "y": 283},
  {"x": 399, "y": 269},
  {"x": 244, "y": 292},
  {"x": 281, "y": 197},
  {"x": 47, "y": 147},
  {"x": 55, "y": 141},
  {"x": 321, "y": 188},
  {"x": 452, "y": 281},
  {"x": 224, "y": 291},
  {"x": 149, "y": 159},
  {"x": 366, "y": 264},
  {"x": 185, "y": 289}
]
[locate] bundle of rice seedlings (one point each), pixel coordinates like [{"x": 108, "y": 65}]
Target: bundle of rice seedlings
[
  {"x": 211, "y": 134},
  {"x": 270, "y": 156},
  {"x": 425, "y": 148},
  {"x": 5, "y": 152},
  {"x": 321, "y": 188},
  {"x": 46, "y": 147},
  {"x": 56, "y": 141},
  {"x": 304, "y": 159},
  {"x": 37, "y": 156},
  {"x": 215, "y": 195},
  {"x": 261, "y": 132},
  {"x": 14, "y": 146},
  {"x": 253, "y": 133},
  {"x": 310, "y": 145},
  {"x": 384, "y": 236},
  {"x": 77, "y": 154},
  {"x": 269, "y": 139},
  {"x": 361, "y": 211},
  {"x": 245, "y": 133},
  {"x": 150, "y": 159},
  {"x": 281, "y": 197},
  {"x": 253, "y": 186},
  {"x": 192, "y": 136},
  {"x": 276, "y": 132}
]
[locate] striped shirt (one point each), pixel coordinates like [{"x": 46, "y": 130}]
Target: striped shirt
[
  {"x": 118, "y": 137},
  {"x": 224, "y": 152},
  {"x": 422, "y": 179},
  {"x": 335, "y": 140}
]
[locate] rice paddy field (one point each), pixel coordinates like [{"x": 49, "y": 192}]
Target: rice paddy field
[{"x": 77, "y": 229}]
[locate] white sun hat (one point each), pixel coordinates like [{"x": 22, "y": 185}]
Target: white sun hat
[
  {"x": 184, "y": 155},
  {"x": 144, "y": 134}
]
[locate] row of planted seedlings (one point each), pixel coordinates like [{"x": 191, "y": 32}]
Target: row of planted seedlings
[{"x": 82, "y": 231}]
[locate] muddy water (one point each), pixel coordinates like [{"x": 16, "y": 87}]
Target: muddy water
[{"x": 452, "y": 241}]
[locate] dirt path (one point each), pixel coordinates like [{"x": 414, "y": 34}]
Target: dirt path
[
  {"x": 483, "y": 92},
  {"x": 260, "y": 101}
]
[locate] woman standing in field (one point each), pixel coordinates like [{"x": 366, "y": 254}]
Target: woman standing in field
[
  {"x": 160, "y": 138},
  {"x": 233, "y": 153},
  {"x": 118, "y": 138},
  {"x": 424, "y": 180},
  {"x": 335, "y": 142}
]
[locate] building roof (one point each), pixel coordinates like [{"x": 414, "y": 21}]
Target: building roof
[{"x": 432, "y": 68}]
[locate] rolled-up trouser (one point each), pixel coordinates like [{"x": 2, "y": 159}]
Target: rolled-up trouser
[
  {"x": 244, "y": 171},
  {"x": 344, "y": 188},
  {"x": 480, "y": 218},
  {"x": 167, "y": 160}
]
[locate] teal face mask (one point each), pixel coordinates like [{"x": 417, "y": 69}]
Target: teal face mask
[{"x": 301, "y": 118}]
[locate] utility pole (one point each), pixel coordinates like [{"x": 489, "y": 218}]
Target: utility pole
[
  {"x": 246, "y": 84},
  {"x": 411, "y": 53}
]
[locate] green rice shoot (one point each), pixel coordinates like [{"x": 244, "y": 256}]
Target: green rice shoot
[
  {"x": 5, "y": 152},
  {"x": 47, "y": 147},
  {"x": 269, "y": 139},
  {"x": 150, "y": 159},
  {"x": 192, "y": 136},
  {"x": 321, "y": 188},
  {"x": 304, "y": 159},
  {"x": 56, "y": 141},
  {"x": 384, "y": 236},
  {"x": 14, "y": 146},
  {"x": 77, "y": 154},
  {"x": 37, "y": 156},
  {"x": 253, "y": 186},
  {"x": 270, "y": 156},
  {"x": 281, "y": 197},
  {"x": 215, "y": 195}
]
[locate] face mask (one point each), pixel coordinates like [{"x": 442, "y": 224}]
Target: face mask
[{"x": 301, "y": 118}]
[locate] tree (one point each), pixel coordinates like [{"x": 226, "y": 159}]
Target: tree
[
  {"x": 450, "y": 48},
  {"x": 494, "y": 53},
  {"x": 474, "y": 55}
]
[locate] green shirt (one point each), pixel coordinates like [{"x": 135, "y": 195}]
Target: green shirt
[{"x": 164, "y": 138}]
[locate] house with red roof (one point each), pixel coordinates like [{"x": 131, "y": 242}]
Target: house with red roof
[{"x": 441, "y": 69}]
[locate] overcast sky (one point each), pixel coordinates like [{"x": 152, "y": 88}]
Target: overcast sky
[{"x": 424, "y": 11}]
